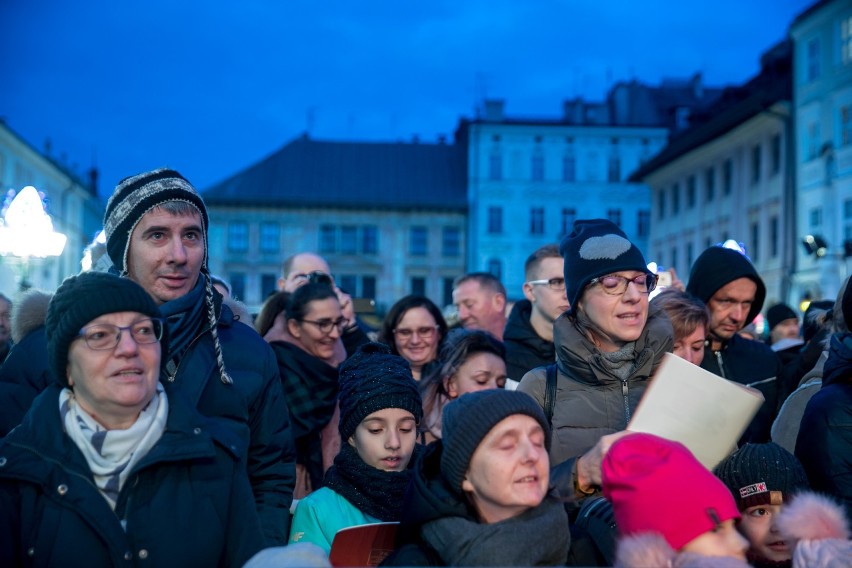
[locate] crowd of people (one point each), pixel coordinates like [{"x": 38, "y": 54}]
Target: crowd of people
[{"x": 147, "y": 418}]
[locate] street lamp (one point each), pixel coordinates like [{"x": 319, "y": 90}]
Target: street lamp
[{"x": 26, "y": 231}]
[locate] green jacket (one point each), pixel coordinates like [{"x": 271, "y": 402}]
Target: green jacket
[{"x": 321, "y": 514}]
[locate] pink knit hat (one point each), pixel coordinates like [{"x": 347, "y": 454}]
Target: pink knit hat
[{"x": 657, "y": 486}]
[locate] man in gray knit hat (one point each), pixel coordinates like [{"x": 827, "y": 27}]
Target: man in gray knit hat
[{"x": 156, "y": 229}]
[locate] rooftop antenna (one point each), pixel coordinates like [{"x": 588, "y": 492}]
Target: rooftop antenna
[
  {"x": 480, "y": 92},
  {"x": 310, "y": 117}
]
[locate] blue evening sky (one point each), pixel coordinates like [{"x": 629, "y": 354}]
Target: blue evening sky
[{"x": 211, "y": 87}]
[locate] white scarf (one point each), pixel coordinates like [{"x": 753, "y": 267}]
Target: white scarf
[{"x": 112, "y": 454}]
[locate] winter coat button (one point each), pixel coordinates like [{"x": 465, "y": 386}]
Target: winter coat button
[
  {"x": 62, "y": 489},
  {"x": 128, "y": 555},
  {"x": 2, "y": 462},
  {"x": 143, "y": 554},
  {"x": 31, "y": 551},
  {"x": 196, "y": 431}
]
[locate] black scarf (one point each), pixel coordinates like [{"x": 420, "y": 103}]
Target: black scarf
[
  {"x": 186, "y": 318},
  {"x": 537, "y": 537},
  {"x": 373, "y": 491}
]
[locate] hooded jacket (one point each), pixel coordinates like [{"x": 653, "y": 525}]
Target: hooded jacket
[
  {"x": 590, "y": 401},
  {"x": 525, "y": 350},
  {"x": 26, "y": 371},
  {"x": 186, "y": 503},
  {"x": 741, "y": 360},
  {"x": 824, "y": 444}
]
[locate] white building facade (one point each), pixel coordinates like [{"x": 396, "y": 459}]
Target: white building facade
[{"x": 822, "y": 97}]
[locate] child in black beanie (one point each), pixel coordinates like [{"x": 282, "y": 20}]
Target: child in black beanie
[{"x": 380, "y": 409}]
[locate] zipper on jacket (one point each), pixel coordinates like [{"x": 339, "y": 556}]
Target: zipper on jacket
[
  {"x": 721, "y": 363},
  {"x": 624, "y": 393},
  {"x": 173, "y": 376}
]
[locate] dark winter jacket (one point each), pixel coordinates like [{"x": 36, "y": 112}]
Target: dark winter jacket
[
  {"x": 430, "y": 499},
  {"x": 525, "y": 350},
  {"x": 186, "y": 503},
  {"x": 590, "y": 401},
  {"x": 26, "y": 371},
  {"x": 255, "y": 408},
  {"x": 754, "y": 364},
  {"x": 310, "y": 389},
  {"x": 824, "y": 445}
]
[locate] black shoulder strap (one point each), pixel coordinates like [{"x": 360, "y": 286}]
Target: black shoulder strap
[{"x": 550, "y": 393}]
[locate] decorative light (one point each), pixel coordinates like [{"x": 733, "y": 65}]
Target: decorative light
[{"x": 26, "y": 230}]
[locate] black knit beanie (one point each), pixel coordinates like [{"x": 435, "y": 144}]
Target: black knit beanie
[
  {"x": 810, "y": 325},
  {"x": 82, "y": 298},
  {"x": 716, "y": 267},
  {"x": 469, "y": 418},
  {"x": 136, "y": 195},
  {"x": 762, "y": 474},
  {"x": 778, "y": 313},
  {"x": 596, "y": 247},
  {"x": 371, "y": 380}
]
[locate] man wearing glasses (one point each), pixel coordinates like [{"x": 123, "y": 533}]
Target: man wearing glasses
[{"x": 529, "y": 330}]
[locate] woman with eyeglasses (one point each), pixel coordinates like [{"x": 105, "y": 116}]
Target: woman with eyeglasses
[
  {"x": 106, "y": 469},
  {"x": 414, "y": 329},
  {"x": 307, "y": 363},
  {"x": 607, "y": 347}
]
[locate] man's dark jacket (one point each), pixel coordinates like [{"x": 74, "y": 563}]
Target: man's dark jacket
[{"x": 525, "y": 350}]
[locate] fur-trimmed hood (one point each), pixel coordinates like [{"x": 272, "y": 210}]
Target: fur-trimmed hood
[
  {"x": 818, "y": 530},
  {"x": 649, "y": 549},
  {"x": 29, "y": 313}
]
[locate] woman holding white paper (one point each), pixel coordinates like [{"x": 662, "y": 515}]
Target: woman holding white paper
[{"x": 607, "y": 346}]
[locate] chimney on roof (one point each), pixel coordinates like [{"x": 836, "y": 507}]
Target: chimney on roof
[
  {"x": 442, "y": 139},
  {"x": 494, "y": 110},
  {"x": 93, "y": 181}
]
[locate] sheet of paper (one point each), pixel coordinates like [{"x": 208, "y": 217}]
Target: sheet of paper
[{"x": 702, "y": 411}]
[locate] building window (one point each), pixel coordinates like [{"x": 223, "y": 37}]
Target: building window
[
  {"x": 447, "y": 291},
  {"x": 368, "y": 287},
  {"x": 569, "y": 215},
  {"x": 755, "y": 241},
  {"x": 370, "y": 239},
  {"x": 614, "y": 215},
  {"x": 776, "y": 154},
  {"x": 495, "y": 220},
  {"x": 327, "y": 239},
  {"x": 538, "y": 166},
  {"x": 348, "y": 239},
  {"x": 812, "y": 141},
  {"x": 495, "y": 167},
  {"x": 643, "y": 223},
  {"x": 661, "y": 203},
  {"x": 674, "y": 258},
  {"x": 847, "y": 209},
  {"x": 846, "y": 40},
  {"x": 690, "y": 192},
  {"x": 418, "y": 286},
  {"x": 495, "y": 268},
  {"x": 675, "y": 199},
  {"x": 845, "y": 126},
  {"x": 569, "y": 168},
  {"x": 773, "y": 236},
  {"x": 238, "y": 285},
  {"x": 537, "y": 220},
  {"x": 451, "y": 241},
  {"x": 349, "y": 284},
  {"x": 755, "y": 164},
  {"x": 727, "y": 177},
  {"x": 815, "y": 217},
  {"x": 709, "y": 184},
  {"x": 237, "y": 236},
  {"x": 268, "y": 285},
  {"x": 270, "y": 238},
  {"x": 419, "y": 239},
  {"x": 614, "y": 175},
  {"x": 689, "y": 257},
  {"x": 812, "y": 68}
]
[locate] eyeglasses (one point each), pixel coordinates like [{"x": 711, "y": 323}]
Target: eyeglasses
[
  {"x": 325, "y": 325},
  {"x": 315, "y": 277},
  {"x": 557, "y": 284},
  {"x": 423, "y": 332},
  {"x": 616, "y": 285},
  {"x": 104, "y": 336}
]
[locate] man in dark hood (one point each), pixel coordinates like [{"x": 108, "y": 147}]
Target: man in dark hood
[{"x": 727, "y": 282}]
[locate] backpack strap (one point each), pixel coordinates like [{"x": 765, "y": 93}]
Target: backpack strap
[{"x": 550, "y": 393}]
